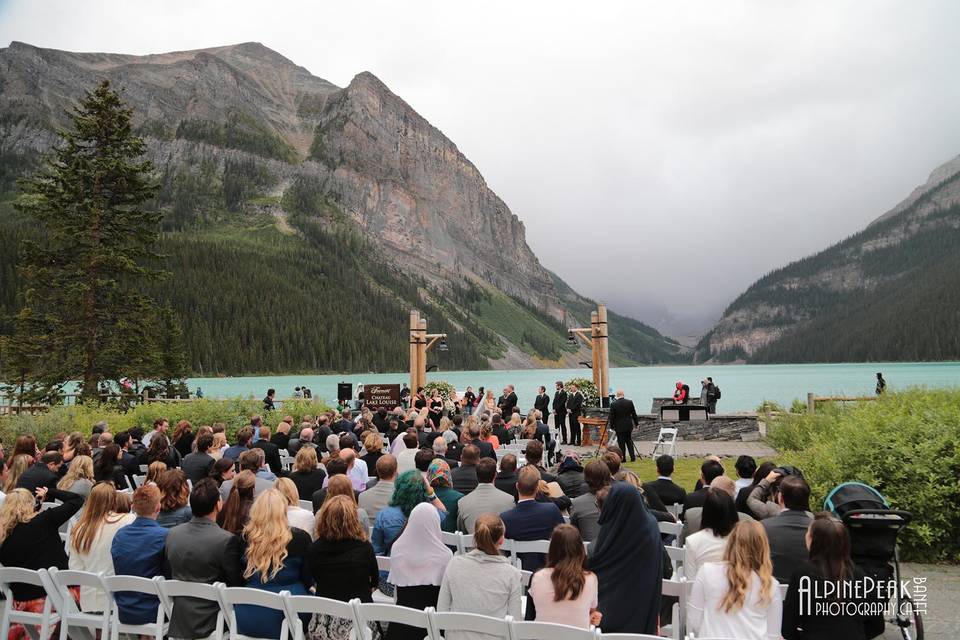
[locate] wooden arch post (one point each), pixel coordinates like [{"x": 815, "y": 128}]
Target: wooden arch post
[
  {"x": 597, "y": 337},
  {"x": 420, "y": 342}
]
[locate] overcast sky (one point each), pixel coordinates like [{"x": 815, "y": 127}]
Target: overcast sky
[{"x": 698, "y": 144}]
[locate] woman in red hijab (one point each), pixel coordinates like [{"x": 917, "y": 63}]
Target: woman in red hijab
[{"x": 680, "y": 395}]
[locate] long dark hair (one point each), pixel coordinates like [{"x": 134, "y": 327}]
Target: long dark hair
[
  {"x": 236, "y": 511},
  {"x": 159, "y": 450},
  {"x": 830, "y": 547},
  {"x": 719, "y": 513},
  {"x": 103, "y": 469},
  {"x": 568, "y": 559}
]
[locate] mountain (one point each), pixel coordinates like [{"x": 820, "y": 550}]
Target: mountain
[
  {"x": 320, "y": 214},
  {"x": 890, "y": 292}
]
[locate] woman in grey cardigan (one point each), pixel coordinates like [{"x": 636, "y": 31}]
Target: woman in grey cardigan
[{"x": 482, "y": 581}]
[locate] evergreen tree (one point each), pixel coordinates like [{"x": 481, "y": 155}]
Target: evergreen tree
[
  {"x": 172, "y": 368},
  {"x": 84, "y": 316}
]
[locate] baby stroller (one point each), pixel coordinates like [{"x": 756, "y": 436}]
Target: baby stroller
[{"x": 873, "y": 528}]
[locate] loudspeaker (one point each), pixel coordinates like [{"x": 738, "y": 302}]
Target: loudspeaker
[{"x": 344, "y": 391}]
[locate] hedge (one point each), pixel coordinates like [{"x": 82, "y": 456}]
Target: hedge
[{"x": 905, "y": 444}]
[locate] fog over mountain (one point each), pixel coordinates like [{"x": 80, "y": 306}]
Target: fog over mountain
[{"x": 699, "y": 145}]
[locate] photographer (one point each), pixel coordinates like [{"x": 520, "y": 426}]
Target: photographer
[{"x": 764, "y": 500}]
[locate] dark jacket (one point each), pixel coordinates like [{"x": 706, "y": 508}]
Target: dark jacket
[
  {"x": 560, "y": 402},
  {"x": 506, "y": 404},
  {"x": 542, "y": 404},
  {"x": 623, "y": 415},
  {"x": 37, "y": 476},
  {"x": 668, "y": 490},
  {"x": 344, "y": 570},
  {"x": 464, "y": 478},
  {"x": 486, "y": 449},
  {"x": 571, "y": 481},
  {"x": 575, "y": 403},
  {"x": 280, "y": 439},
  {"x": 37, "y": 544},
  {"x": 138, "y": 549},
  {"x": 788, "y": 548},
  {"x": 695, "y": 499},
  {"x": 506, "y": 481},
  {"x": 810, "y": 626},
  {"x": 271, "y": 454},
  {"x": 308, "y": 482},
  {"x": 196, "y": 466},
  {"x": 504, "y": 437},
  {"x": 531, "y": 520},
  {"x": 200, "y": 551}
]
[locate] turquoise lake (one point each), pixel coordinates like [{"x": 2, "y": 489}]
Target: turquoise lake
[{"x": 743, "y": 387}]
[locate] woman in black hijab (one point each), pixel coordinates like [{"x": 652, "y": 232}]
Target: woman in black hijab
[{"x": 627, "y": 557}]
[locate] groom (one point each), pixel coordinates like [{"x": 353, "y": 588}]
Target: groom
[{"x": 507, "y": 402}]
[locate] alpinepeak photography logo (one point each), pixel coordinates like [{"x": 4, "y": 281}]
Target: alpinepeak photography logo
[{"x": 866, "y": 596}]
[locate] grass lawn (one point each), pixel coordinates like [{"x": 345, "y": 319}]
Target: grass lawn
[{"x": 686, "y": 471}]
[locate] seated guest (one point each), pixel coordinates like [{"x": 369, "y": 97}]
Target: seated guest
[
  {"x": 222, "y": 470},
  {"x": 153, "y": 472},
  {"x": 373, "y": 449},
  {"x": 197, "y": 465},
  {"x": 418, "y": 560},
  {"x": 219, "y": 445},
  {"x": 486, "y": 435},
  {"x": 530, "y": 519},
  {"x": 271, "y": 452},
  {"x": 700, "y": 484},
  {"x": 533, "y": 452},
  {"x": 738, "y": 597},
  {"x": 233, "y": 514},
  {"x": 741, "y": 499},
  {"x": 465, "y": 476},
  {"x": 666, "y": 489},
  {"x": 506, "y": 479},
  {"x": 343, "y": 565},
  {"x": 584, "y": 512},
  {"x": 628, "y": 538},
  {"x": 829, "y": 563},
  {"x": 275, "y": 560},
  {"x": 377, "y": 497},
  {"x": 709, "y": 470},
  {"x": 719, "y": 517},
  {"x": 307, "y": 475},
  {"x": 200, "y": 551},
  {"x": 160, "y": 451},
  {"x": 244, "y": 436},
  {"x": 423, "y": 459},
  {"x": 499, "y": 431},
  {"x": 485, "y": 448},
  {"x": 43, "y": 473},
  {"x": 357, "y": 474},
  {"x": 440, "y": 448},
  {"x": 570, "y": 476},
  {"x": 138, "y": 550},
  {"x": 174, "y": 507},
  {"x": 91, "y": 538},
  {"x": 692, "y": 524},
  {"x": 410, "y": 490},
  {"x": 486, "y": 498},
  {"x": 746, "y": 466},
  {"x": 564, "y": 592},
  {"x": 79, "y": 476},
  {"x": 297, "y": 516},
  {"x": 763, "y": 500},
  {"x": 335, "y": 467},
  {"x": 252, "y": 461},
  {"x": 281, "y": 437},
  {"x": 340, "y": 486},
  {"x": 438, "y": 477},
  {"x": 787, "y": 531},
  {"x": 406, "y": 459},
  {"x": 304, "y": 440},
  {"x": 482, "y": 581},
  {"x": 107, "y": 468}
]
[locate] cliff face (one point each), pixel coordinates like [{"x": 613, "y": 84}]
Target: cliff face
[
  {"x": 240, "y": 132},
  {"x": 909, "y": 243}
]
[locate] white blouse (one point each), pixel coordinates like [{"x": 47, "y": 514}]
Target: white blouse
[
  {"x": 700, "y": 548},
  {"x": 752, "y": 621},
  {"x": 98, "y": 560}
]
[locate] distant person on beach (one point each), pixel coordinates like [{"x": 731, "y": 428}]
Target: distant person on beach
[
  {"x": 268, "y": 400},
  {"x": 199, "y": 393},
  {"x": 713, "y": 394},
  {"x": 881, "y": 384},
  {"x": 703, "y": 393},
  {"x": 680, "y": 394}
]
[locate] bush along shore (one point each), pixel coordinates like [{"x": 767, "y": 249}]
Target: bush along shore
[
  {"x": 234, "y": 413},
  {"x": 905, "y": 444}
]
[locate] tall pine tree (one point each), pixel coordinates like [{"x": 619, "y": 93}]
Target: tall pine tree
[{"x": 84, "y": 313}]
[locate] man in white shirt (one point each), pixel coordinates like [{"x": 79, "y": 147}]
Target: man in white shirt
[
  {"x": 746, "y": 466},
  {"x": 406, "y": 459},
  {"x": 160, "y": 425}
]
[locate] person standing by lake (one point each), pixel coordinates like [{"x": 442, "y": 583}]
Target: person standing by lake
[
  {"x": 560, "y": 411},
  {"x": 574, "y": 407},
  {"x": 881, "y": 384},
  {"x": 713, "y": 394},
  {"x": 542, "y": 403},
  {"x": 268, "y": 400}
]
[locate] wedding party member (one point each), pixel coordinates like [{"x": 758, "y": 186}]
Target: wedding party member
[
  {"x": 542, "y": 403},
  {"x": 342, "y": 563},
  {"x": 418, "y": 561},
  {"x": 628, "y": 538},
  {"x": 482, "y": 581},
  {"x": 91, "y": 539},
  {"x": 737, "y": 598},
  {"x": 564, "y": 591},
  {"x": 560, "y": 412},
  {"x": 574, "y": 408},
  {"x": 275, "y": 560}
]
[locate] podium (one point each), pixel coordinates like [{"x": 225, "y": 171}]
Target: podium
[
  {"x": 593, "y": 431},
  {"x": 683, "y": 412}
]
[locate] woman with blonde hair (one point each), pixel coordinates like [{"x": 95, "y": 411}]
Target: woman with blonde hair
[
  {"x": 79, "y": 476},
  {"x": 91, "y": 538},
  {"x": 482, "y": 581},
  {"x": 342, "y": 563},
  {"x": 297, "y": 516},
  {"x": 373, "y": 448},
  {"x": 154, "y": 471},
  {"x": 15, "y": 469},
  {"x": 737, "y": 598},
  {"x": 307, "y": 475},
  {"x": 515, "y": 425},
  {"x": 275, "y": 561},
  {"x": 219, "y": 445},
  {"x": 175, "y": 490},
  {"x": 486, "y": 435},
  {"x": 236, "y": 510}
]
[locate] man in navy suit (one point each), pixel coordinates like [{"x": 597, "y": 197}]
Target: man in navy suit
[
  {"x": 530, "y": 520},
  {"x": 486, "y": 449}
]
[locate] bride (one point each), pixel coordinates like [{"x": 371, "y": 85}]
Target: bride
[{"x": 487, "y": 405}]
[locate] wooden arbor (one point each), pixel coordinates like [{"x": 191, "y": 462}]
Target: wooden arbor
[
  {"x": 596, "y": 337},
  {"x": 420, "y": 341}
]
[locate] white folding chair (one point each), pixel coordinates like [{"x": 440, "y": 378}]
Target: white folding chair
[
  {"x": 525, "y": 578},
  {"x": 45, "y": 620},
  {"x": 675, "y": 509},
  {"x": 368, "y": 614},
  {"x": 679, "y": 589},
  {"x": 306, "y": 504},
  {"x": 671, "y": 528},
  {"x": 297, "y": 605},
  {"x": 173, "y": 589},
  {"x": 451, "y": 540},
  {"x": 627, "y": 636},
  {"x": 233, "y": 596},
  {"x": 540, "y": 630},
  {"x": 677, "y": 556},
  {"x": 783, "y": 590},
  {"x": 383, "y": 564},
  {"x": 450, "y": 621},
  {"x": 466, "y": 542},
  {"x": 666, "y": 438},
  {"x": 143, "y": 468},
  {"x": 516, "y": 547},
  {"x": 138, "y": 481},
  {"x": 70, "y": 614},
  {"x": 144, "y": 586}
]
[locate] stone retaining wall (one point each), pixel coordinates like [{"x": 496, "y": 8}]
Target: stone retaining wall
[{"x": 743, "y": 428}]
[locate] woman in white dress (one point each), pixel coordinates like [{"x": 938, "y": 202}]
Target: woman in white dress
[
  {"x": 488, "y": 404},
  {"x": 738, "y": 597}
]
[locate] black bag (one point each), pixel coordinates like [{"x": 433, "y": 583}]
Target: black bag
[{"x": 716, "y": 392}]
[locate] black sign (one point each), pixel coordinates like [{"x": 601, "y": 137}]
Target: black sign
[{"x": 381, "y": 396}]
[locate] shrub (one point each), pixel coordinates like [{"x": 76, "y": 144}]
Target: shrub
[
  {"x": 904, "y": 444},
  {"x": 235, "y": 413}
]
